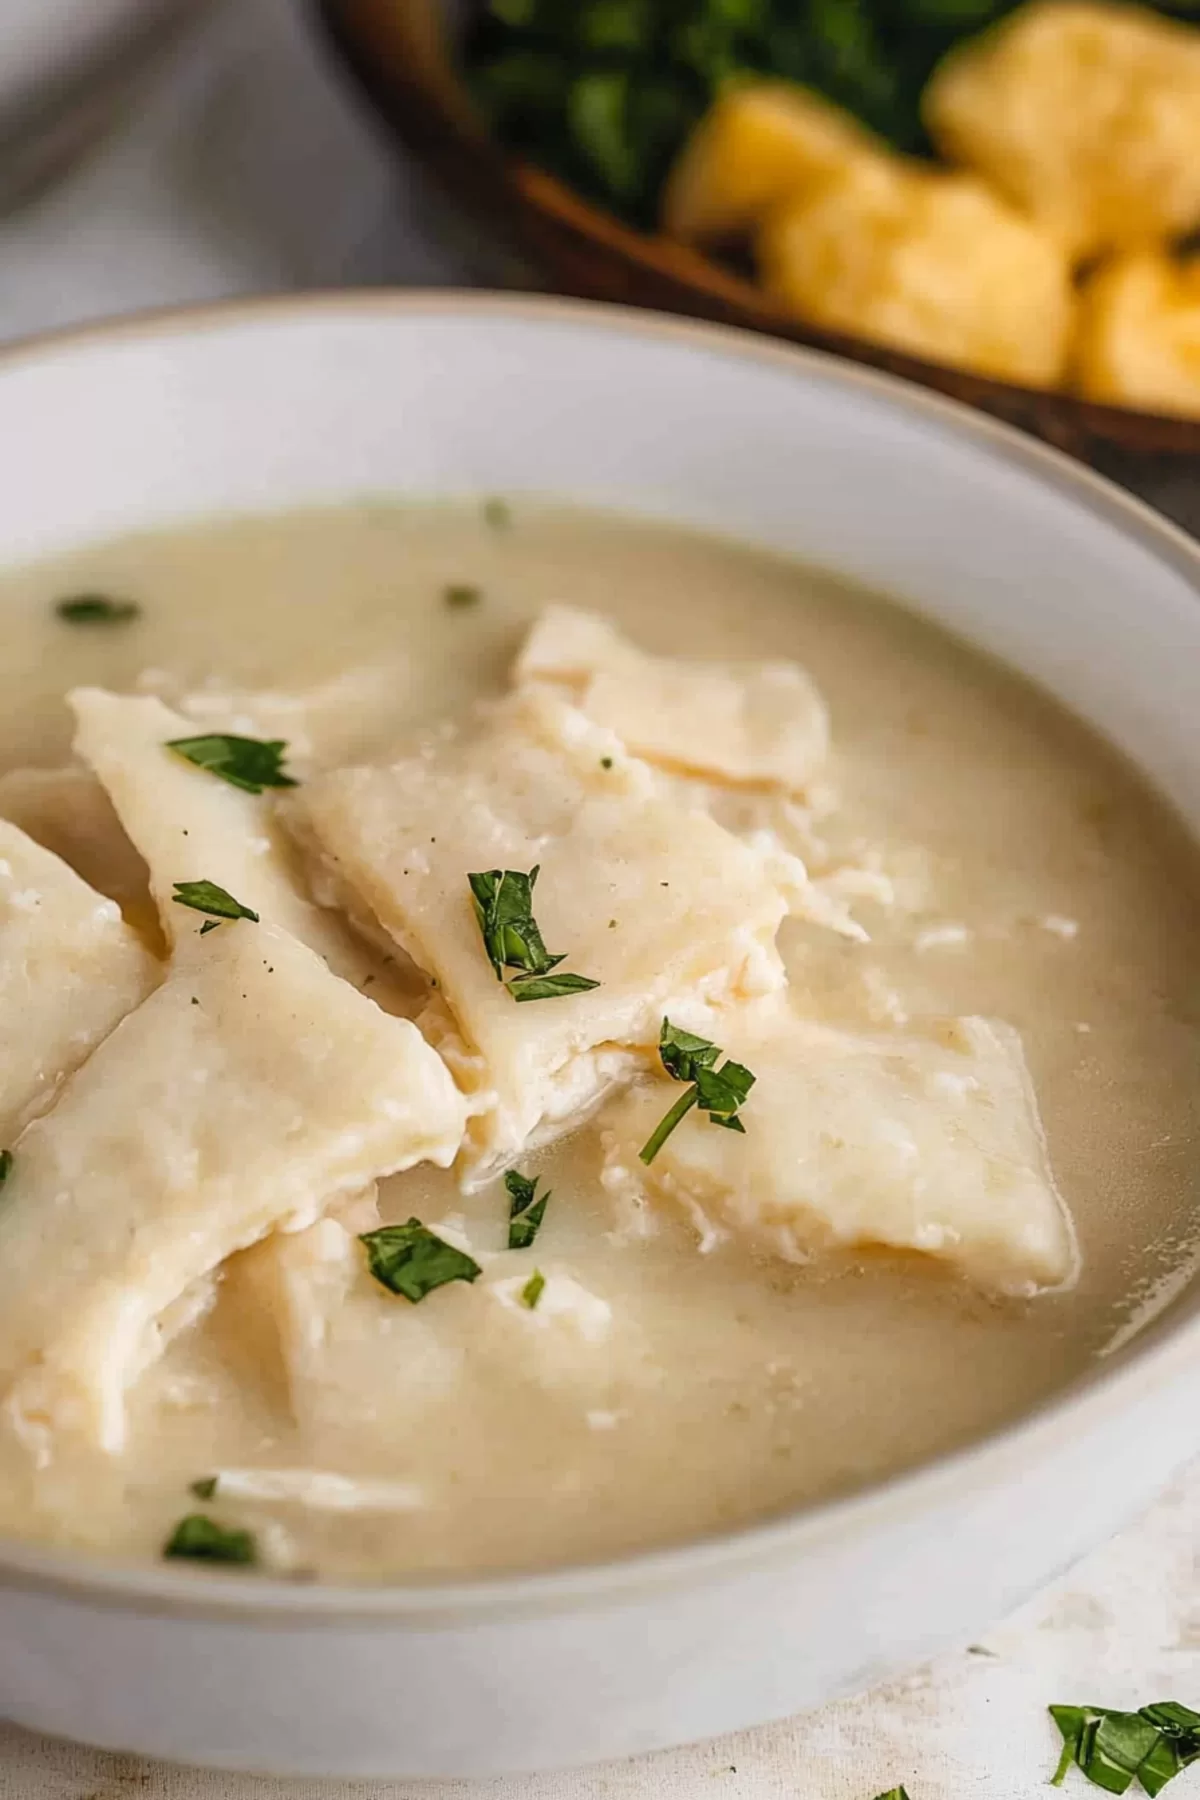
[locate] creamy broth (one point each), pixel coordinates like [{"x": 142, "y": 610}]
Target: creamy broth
[{"x": 1034, "y": 879}]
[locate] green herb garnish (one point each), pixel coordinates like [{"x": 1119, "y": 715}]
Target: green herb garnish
[
  {"x": 531, "y": 1293},
  {"x": 6, "y": 1163},
  {"x": 207, "y": 897},
  {"x": 527, "y": 1210},
  {"x": 1114, "y": 1749},
  {"x": 503, "y": 901},
  {"x": 718, "y": 1092},
  {"x": 96, "y": 609},
  {"x": 897, "y": 1793},
  {"x": 205, "y": 1488},
  {"x": 497, "y": 514},
  {"x": 411, "y": 1260},
  {"x": 251, "y": 764},
  {"x": 201, "y": 1539},
  {"x": 461, "y": 594},
  {"x": 549, "y": 987}
]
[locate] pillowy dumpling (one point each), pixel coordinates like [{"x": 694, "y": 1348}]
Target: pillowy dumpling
[
  {"x": 70, "y": 969},
  {"x": 932, "y": 263},
  {"x": 1086, "y": 116},
  {"x": 656, "y": 904},
  {"x": 248, "y": 1094},
  {"x": 928, "y": 1144},
  {"x": 758, "y": 724},
  {"x": 759, "y": 144},
  {"x": 1139, "y": 334}
]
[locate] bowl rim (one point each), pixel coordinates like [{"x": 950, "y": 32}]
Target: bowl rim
[{"x": 1164, "y": 1349}]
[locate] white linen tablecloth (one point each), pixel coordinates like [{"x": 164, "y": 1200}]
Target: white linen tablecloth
[{"x": 247, "y": 167}]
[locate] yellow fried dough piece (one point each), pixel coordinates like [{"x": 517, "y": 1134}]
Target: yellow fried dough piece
[
  {"x": 1086, "y": 116},
  {"x": 756, "y": 146},
  {"x": 932, "y": 263},
  {"x": 1139, "y": 334}
]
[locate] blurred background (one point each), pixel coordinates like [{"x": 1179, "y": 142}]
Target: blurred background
[{"x": 157, "y": 152}]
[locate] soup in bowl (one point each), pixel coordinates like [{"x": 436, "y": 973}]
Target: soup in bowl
[{"x": 599, "y": 940}]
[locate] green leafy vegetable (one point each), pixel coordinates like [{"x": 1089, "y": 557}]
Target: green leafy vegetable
[
  {"x": 461, "y": 594},
  {"x": 503, "y": 901},
  {"x": 896, "y": 1793},
  {"x": 598, "y": 107},
  {"x": 411, "y": 1260},
  {"x": 205, "y": 1488},
  {"x": 531, "y": 1293},
  {"x": 527, "y": 1210},
  {"x": 718, "y": 1092},
  {"x": 201, "y": 1539},
  {"x": 207, "y": 897},
  {"x": 96, "y": 609},
  {"x": 6, "y": 1163},
  {"x": 248, "y": 763},
  {"x": 1115, "y": 1749}
]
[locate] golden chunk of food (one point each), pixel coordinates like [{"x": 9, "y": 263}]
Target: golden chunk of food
[
  {"x": 756, "y": 146},
  {"x": 932, "y": 263},
  {"x": 1086, "y": 116},
  {"x": 1139, "y": 334}
]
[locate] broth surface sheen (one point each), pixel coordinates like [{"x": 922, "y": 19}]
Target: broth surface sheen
[{"x": 1035, "y": 879}]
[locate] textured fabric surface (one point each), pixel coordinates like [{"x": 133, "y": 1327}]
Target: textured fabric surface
[{"x": 247, "y": 167}]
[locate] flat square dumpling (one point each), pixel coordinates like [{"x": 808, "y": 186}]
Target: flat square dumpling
[
  {"x": 67, "y": 811},
  {"x": 356, "y": 1361},
  {"x": 928, "y": 1144},
  {"x": 70, "y": 969},
  {"x": 189, "y": 825},
  {"x": 756, "y": 724},
  {"x": 339, "y": 720},
  {"x": 656, "y": 903},
  {"x": 248, "y": 1094},
  {"x": 350, "y": 1352}
]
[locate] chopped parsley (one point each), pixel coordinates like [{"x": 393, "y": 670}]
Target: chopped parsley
[
  {"x": 1115, "y": 1749},
  {"x": 205, "y": 1488},
  {"x": 527, "y": 1210},
  {"x": 718, "y": 1092},
  {"x": 251, "y": 764},
  {"x": 606, "y": 762},
  {"x": 531, "y": 1293},
  {"x": 503, "y": 901},
  {"x": 201, "y": 1539},
  {"x": 497, "y": 514},
  {"x": 896, "y": 1793},
  {"x": 96, "y": 609},
  {"x": 461, "y": 594},
  {"x": 549, "y": 987},
  {"x": 6, "y": 1163},
  {"x": 411, "y": 1260},
  {"x": 207, "y": 897}
]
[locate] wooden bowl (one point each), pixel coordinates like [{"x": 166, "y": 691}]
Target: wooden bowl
[{"x": 399, "y": 52}]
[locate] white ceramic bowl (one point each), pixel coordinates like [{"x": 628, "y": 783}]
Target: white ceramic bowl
[{"x": 280, "y": 404}]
